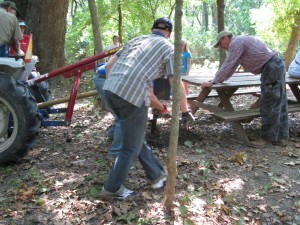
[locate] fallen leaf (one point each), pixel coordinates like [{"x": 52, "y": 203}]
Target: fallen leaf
[
  {"x": 225, "y": 209},
  {"x": 262, "y": 208},
  {"x": 239, "y": 158},
  {"x": 188, "y": 143},
  {"x": 146, "y": 195}
]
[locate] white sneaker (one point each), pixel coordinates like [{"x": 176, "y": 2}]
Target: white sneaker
[
  {"x": 121, "y": 194},
  {"x": 159, "y": 182}
]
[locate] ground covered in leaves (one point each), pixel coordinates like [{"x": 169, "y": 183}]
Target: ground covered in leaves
[{"x": 220, "y": 181}]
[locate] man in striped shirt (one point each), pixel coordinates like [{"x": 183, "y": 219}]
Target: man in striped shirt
[
  {"x": 128, "y": 93},
  {"x": 254, "y": 56}
]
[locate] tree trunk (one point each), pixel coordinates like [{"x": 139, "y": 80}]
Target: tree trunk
[
  {"x": 47, "y": 22},
  {"x": 220, "y": 10},
  {"x": 22, "y": 8},
  {"x": 120, "y": 21},
  {"x": 205, "y": 16},
  {"x": 293, "y": 42},
  {"x": 173, "y": 143},
  {"x": 96, "y": 28}
]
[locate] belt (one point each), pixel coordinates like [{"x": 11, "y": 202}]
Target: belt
[
  {"x": 101, "y": 76},
  {"x": 273, "y": 57}
]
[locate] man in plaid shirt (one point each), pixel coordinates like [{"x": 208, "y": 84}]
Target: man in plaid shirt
[{"x": 254, "y": 56}]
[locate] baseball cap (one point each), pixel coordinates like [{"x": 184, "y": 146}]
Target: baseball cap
[
  {"x": 22, "y": 23},
  {"x": 163, "y": 24},
  {"x": 7, "y": 4},
  {"x": 222, "y": 34}
]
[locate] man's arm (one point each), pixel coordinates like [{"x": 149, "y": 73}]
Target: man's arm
[
  {"x": 155, "y": 103},
  {"x": 16, "y": 47},
  {"x": 110, "y": 63}
]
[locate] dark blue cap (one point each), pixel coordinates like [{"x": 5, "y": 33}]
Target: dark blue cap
[{"x": 163, "y": 24}]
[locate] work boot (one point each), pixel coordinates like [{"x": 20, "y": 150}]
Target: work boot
[
  {"x": 260, "y": 143},
  {"x": 280, "y": 142}
]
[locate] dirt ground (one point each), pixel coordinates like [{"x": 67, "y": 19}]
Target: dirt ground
[{"x": 220, "y": 181}]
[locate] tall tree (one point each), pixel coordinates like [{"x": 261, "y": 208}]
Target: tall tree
[
  {"x": 96, "y": 26},
  {"x": 221, "y": 26},
  {"x": 120, "y": 20},
  {"x": 173, "y": 143},
  {"x": 294, "y": 40},
  {"x": 47, "y": 22}
]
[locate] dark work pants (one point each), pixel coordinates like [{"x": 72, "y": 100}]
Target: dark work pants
[{"x": 273, "y": 102}]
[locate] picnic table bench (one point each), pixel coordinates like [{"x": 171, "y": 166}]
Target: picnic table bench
[{"x": 238, "y": 84}]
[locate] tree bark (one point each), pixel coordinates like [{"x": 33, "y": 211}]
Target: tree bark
[
  {"x": 205, "y": 16},
  {"x": 47, "y": 22},
  {"x": 221, "y": 26},
  {"x": 173, "y": 143},
  {"x": 120, "y": 32},
  {"x": 96, "y": 27},
  {"x": 293, "y": 42}
]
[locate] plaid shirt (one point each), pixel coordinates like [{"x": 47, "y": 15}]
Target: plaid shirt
[
  {"x": 249, "y": 52},
  {"x": 140, "y": 61}
]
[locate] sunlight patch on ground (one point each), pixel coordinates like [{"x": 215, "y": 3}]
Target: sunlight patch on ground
[{"x": 231, "y": 185}]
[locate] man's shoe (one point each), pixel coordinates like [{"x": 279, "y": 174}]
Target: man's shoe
[
  {"x": 260, "y": 143},
  {"x": 159, "y": 182},
  {"x": 280, "y": 142},
  {"x": 187, "y": 116},
  {"x": 121, "y": 194}
]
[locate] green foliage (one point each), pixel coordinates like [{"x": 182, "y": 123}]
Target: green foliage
[
  {"x": 274, "y": 21},
  {"x": 270, "y": 20}
]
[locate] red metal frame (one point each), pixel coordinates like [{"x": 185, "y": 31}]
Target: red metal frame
[{"x": 74, "y": 70}]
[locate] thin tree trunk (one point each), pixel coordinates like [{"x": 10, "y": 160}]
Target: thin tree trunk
[
  {"x": 173, "y": 143},
  {"x": 220, "y": 10},
  {"x": 205, "y": 16},
  {"x": 96, "y": 26},
  {"x": 293, "y": 42},
  {"x": 120, "y": 21}
]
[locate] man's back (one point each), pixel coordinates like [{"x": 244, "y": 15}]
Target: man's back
[
  {"x": 141, "y": 60},
  {"x": 9, "y": 27}
]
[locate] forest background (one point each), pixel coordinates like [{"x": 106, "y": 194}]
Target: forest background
[{"x": 65, "y": 31}]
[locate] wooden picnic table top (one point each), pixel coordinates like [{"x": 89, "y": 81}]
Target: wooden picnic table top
[
  {"x": 226, "y": 90},
  {"x": 237, "y": 80}
]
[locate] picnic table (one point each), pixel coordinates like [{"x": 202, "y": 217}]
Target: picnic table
[{"x": 238, "y": 84}]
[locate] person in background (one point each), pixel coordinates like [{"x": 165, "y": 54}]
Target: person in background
[
  {"x": 294, "y": 68},
  {"x": 254, "y": 56},
  {"x": 9, "y": 29},
  {"x": 24, "y": 42},
  {"x": 186, "y": 62},
  {"x": 115, "y": 44}
]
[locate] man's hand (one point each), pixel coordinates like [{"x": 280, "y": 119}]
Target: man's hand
[
  {"x": 17, "y": 56},
  {"x": 206, "y": 85}
]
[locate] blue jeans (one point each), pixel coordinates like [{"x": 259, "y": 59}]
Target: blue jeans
[
  {"x": 133, "y": 124},
  {"x": 115, "y": 132},
  {"x": 273, "y": 101},
  {"x": 4, "y": 50}
]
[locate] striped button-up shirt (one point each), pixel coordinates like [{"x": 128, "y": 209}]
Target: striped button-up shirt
[
  {"x": 249, "y": 52},
  {"x": 140, "y": 61}
]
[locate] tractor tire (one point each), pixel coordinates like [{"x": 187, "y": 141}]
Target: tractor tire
[
  {"x": 20, "y": 108},
  {"x": 41, "y": 92}
]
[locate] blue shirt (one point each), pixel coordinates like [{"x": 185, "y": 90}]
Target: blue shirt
[{"x": 185, "y": 56}]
